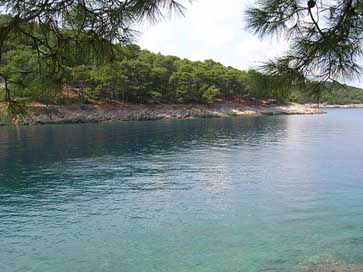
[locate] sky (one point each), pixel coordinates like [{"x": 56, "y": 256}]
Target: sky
[
  {"x": 210, "y": 29},
  {"x": 213, "y": 29}
]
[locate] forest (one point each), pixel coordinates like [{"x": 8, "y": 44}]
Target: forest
[{"x": 127, "y": 73}]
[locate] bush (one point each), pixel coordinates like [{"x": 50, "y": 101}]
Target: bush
[
  {"x": 209, "y": 94},
  {"x": 153, "y": 97}
]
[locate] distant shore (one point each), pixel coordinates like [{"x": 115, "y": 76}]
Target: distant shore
[
  {"x": 345, "y": 106},
  {"x": 97, "y": 113}
]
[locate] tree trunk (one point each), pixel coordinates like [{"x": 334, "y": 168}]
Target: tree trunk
[
  {"x": 318, "y": 99},
  {"x": 7, "y": 97}
]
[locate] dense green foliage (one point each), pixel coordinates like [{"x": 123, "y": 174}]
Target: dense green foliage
[
  {"x": 127, "y": 74},
  {"x": 49, "y": 47},
  {"x": 51, "y": 26},
  {"x": 133, "y": 75},
  {"x": 130, "y": 74},
  {"x": 333, "y": 94}
]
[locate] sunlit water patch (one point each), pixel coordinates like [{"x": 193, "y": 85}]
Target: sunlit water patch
[{"x": 277, "y": 193}]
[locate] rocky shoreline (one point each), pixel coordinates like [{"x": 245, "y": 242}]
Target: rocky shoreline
[
  {"x": 83, "y": 113},
  {"x": 345, "y": 106}
]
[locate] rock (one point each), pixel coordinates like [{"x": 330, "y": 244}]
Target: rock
[
  {"x": 128, "y": 112},
  {"x": 328, "y": 264}
]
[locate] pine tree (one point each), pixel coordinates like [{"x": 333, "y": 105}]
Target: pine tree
[
  {"x": 55, "y": 27},
  {"x": 325, "y": 36}
]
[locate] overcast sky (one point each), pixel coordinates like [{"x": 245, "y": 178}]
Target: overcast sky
[{"x": 212, "y": 29}]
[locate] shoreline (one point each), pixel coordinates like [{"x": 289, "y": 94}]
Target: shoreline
[
  {"x": 337, "y": 106},
  {"x": 116, "y": 112}
]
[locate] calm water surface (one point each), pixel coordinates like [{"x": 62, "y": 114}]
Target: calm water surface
[{"x": 250, "y": 194}]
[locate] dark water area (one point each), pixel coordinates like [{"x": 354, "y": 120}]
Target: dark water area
[{"x": 273, "y": 193}]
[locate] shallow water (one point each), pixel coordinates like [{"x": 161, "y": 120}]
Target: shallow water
[{"x": 274, "y": 193}]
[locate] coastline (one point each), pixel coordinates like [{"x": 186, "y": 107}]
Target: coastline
[
  {"x": 337, "y": 106},
  {"x": 115, "y": 112}
]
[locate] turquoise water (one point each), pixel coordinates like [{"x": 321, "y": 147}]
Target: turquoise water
[{"x": 269, "y": 193}]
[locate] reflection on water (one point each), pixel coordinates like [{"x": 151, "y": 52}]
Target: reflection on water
[{"x": 250, "y": 194}]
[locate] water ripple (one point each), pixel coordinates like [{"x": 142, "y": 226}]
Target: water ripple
[{"x": 278, "y": 193}]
